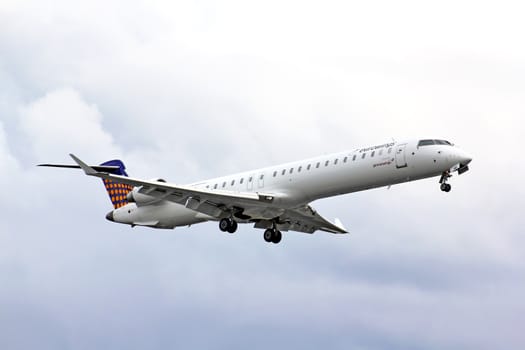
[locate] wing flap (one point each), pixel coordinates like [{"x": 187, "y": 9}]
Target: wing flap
[{"x": 306, "y": 219}]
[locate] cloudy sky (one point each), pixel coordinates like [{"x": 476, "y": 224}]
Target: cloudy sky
[{"x": 193, "y": 90}]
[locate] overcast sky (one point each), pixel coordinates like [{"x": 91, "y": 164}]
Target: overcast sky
[{"x": 193, "y": 90}]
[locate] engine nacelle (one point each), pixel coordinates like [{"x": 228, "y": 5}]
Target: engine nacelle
[{"x": 134, "y": 196}]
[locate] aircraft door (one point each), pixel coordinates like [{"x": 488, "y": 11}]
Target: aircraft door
[
  {"x": 401, "y": 160},
  {"x": 261, "y": 180},
  {"x": 249, "y": 183}
]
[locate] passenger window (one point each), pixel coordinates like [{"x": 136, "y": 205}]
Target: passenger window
[
  {"x": 261, "y": 177},
  {"x": 317, "y": 165},
  {"x": 284, "y": 171},
  {"x": 335, "y": 161},
  {"x": 274, "y": 173},
  {"x": 291, "y": 170},
  {"x": 326, "y": 163},
  {"x": 308, "y": 167},
  {"x": 207, "y": 186},
  {"x": 363, "y": 156},
  {"x": 373, "y": 152},
  {"x": 299, "y": 169},
  {"x": 345, "y": 159},
  {"x": 233, "y": 182},
  {"x": 242, "y": 181},
  {"x": 355, "y": 156},
  {"x": 250, "y": 179},
  {"x": 224, "y": 184}
]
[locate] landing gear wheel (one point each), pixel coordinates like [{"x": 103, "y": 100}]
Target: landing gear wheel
[
  {"x": 268, "y": 235},
  {"x": 272, "y": 236},
  {"x": 233, "y": 226},
  {"x": 224, "y": 224},
  {"x": 277, "y": 236},
  {"x": 228, "y": 225},
  {"x": 446, "y": 187}
]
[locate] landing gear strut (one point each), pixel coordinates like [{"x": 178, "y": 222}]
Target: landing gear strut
[
  {"x": 228, "y": 225},
  {"x": 272, "y": 235},
  {"x": 445, "y": 187}
]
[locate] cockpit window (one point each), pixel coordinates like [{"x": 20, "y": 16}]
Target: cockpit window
[
  {"x": 425, "y": 143},
  {"x": 442, "y": 142},
  {"x": 433, "y": 142}
]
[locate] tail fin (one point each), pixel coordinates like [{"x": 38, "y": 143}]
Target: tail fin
[{"x": 117, "y": 192}]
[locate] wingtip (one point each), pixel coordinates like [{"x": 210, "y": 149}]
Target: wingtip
[
  {"x": 87, "y": 169},
  {"x": 340, "y": 225},
  {"x": 75, "y": 158}
]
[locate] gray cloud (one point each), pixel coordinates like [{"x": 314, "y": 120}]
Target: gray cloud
[{"x": 190, "y": 91}]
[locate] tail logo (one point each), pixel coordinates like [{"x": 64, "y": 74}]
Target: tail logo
[{"x": 117, "y": 191}]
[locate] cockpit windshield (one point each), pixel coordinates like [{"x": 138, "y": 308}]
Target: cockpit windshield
[
  {"x": 425, "y": 143},
  {"x": 442, "y": 142},
  {"x": 433, "y": 142}
]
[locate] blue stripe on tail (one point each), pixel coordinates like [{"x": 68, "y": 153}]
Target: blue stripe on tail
[{"x": 117, "y": 192}]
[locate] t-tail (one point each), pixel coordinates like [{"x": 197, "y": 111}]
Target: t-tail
[{"x": 117, "y": 192}]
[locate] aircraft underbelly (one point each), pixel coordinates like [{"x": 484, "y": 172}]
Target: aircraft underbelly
[{"x": 165, "y": 215}]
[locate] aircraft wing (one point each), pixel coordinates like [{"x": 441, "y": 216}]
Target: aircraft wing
[
  {"x": 219, "y": 204},
  {"x": 306, "y": 219}
]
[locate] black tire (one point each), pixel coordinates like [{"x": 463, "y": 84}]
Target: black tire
[
  {"x": 233, "y": 226},
  {"x": 268, "y": 235},
  {"x": 448, "y": 188},
  {"x": 444, "y": 187},
  {"x": 224, "y": 224},
  {"x": 277, "y": 236}
]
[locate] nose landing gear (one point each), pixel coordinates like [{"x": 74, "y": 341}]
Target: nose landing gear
[{"x": 445, "y": 187}]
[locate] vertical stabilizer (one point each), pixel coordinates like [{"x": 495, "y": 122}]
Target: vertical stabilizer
[{"x": 117, "y": 192}]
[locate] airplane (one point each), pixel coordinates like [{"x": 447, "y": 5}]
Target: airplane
[{"x": 275, "y": 198}]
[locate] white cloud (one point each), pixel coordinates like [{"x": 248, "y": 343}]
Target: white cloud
[
  {"x": 61, "y": 122},
  {"x": 8, "y": 163}
]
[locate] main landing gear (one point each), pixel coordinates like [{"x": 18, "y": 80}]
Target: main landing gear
[
  {"x": 228, "y": 225},
  {"x": 272, "y": 235},
  {"x": 445, "y": 187}
]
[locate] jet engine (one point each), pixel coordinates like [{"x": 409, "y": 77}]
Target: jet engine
[{"x": 135, "y": 196}]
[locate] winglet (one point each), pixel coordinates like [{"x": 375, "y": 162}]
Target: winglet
[
  {"x": 339, "y": 224},
  {"x": 87, "y": 169}
]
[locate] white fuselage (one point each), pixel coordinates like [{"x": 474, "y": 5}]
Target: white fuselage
[{"x": 301, "y": 182}]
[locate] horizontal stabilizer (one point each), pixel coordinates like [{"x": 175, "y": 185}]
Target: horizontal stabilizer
[{"x": 99, "y": 168}]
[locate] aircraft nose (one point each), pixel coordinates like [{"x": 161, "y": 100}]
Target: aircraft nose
[
  {"x": 464, "y": 158},
  {"x": 461, "y": 157},
  {"x": 109, "y": 216}
]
